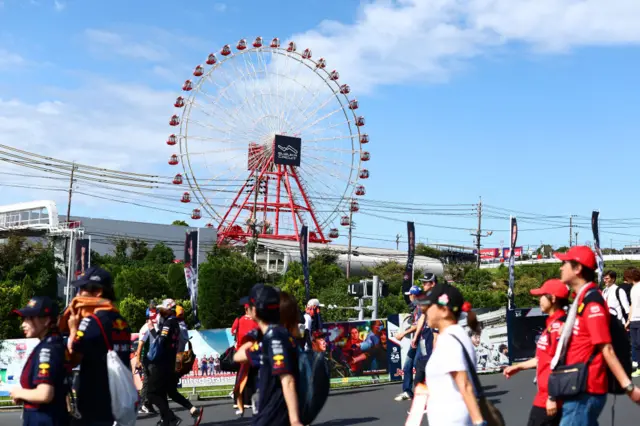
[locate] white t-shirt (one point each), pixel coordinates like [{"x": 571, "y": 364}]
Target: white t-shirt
[
  {"x": 635, "y": 302},
  {"x": 616, "y": 307},
  {"x": 445, "y": 406}
]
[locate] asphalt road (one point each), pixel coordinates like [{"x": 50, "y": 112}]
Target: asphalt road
[{"x": 375, "y": 406}]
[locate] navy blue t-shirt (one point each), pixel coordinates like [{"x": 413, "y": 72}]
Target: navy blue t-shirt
[
  {"x": 94, "y": 399},
  {"x": 276, "y": 355},
  {"x": 169, "y": 340},
  {"x": 47, "y": 364}
]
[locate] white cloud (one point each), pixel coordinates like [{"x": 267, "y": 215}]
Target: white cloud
[
  {"x": 100, "y": 40},
  {"x": 59, "y": 6},
  {"x": 220, "y": 7},
  {"x": 402, "y": 41},
  {"x": 9, "y": 59}
]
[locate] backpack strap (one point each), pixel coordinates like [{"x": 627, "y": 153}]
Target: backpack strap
[
  {"x": 592, "y": 296},
  {"x": 472, "y": 370},
  {"x": 104, "y": 335},
  {"x": 625, "y": 315}
]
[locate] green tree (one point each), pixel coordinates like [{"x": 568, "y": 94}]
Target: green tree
[
  {"x": 179, "y": 223},
  {"x": 223, "y": 280},
  {"x": 10, "y": 295},
  {"x": 145, "y": 283},
  {"x": 425, "y": 250},
  {"x": 28, "y": 290},
  {"x": 293, "y": 283},
  {"x": 134, "y": 311},
  {"x": 160, "y": 254},
  {"x": 120, "y": 249},
  {"x": 177, "y": 284},
  {"x": 139, "y": 250}
]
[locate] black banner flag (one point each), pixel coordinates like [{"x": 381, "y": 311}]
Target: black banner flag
[
  {"x": 596, "y": 243},
  {"x": 191, "y": 270},
  {"x": 407, "y": 280},
  {"x": 304, "y": 259},
  {"x": 512, "y": 262},
  {"x": 82, "y": 257}
]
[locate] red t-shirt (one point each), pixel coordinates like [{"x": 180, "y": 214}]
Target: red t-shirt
[
  {"x": 590, "y": 329},
  {"x": 545, "y": 350},
  {"x": 242, "y": 327}
]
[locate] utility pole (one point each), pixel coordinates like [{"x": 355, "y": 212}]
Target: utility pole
[
  {"x": 479, "y": 234},
  {"x": 571, "y": 230},
  {"x": 349, "y": 247},
  {"x": 398, "y": 242},
  {"x": 73, "y": 169}
]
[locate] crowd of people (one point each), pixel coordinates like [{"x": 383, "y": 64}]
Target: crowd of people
[{"x": 576, "y": 363}]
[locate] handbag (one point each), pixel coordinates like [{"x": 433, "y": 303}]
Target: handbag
[
  {"x": 226, "y": 361},
  {"x": 489, "y": 412},
  {"x": 569, "y": 381}
]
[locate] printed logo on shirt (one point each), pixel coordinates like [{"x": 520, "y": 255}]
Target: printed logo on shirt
[
  {"x": 576, "y": 327},
  {"x": 581, "y": 308},
  {"x": 255, "y": 347},
  {"x": 276, "y": 347},
  {"x": 120, "y": 324},
  {"x": 543, "y": 341},
  {"x": 278, "y": 361},
  {"x": 44, "y": 355},
  {"x": 79, "y": 335},
  {"x": 595, "y": 311},
  {"x": 43, "y": 369}
]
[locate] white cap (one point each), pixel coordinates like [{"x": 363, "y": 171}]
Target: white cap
[
  {"x": 168, "y": 304},
  {"x": 313, "y": 302}
]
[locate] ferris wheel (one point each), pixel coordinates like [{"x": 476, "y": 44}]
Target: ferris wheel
[{"x": 269, "y": 140}]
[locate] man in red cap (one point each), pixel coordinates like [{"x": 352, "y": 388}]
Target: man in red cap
[{"x": 586, "y": 335}]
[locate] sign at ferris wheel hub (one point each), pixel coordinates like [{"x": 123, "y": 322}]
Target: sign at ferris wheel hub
[{"x": 288, "y": 150}]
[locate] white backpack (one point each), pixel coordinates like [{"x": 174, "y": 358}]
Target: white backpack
[{"x": 124, "y": 395}]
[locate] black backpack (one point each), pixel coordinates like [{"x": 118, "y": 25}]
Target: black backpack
[
  {"x": 619, "y": 341},
  {"x": 313, "y": 382}
]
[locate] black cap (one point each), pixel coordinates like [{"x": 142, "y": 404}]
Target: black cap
[
  {"x": 94, "y": 276},
  {"x": 429, "y": 278},
  {"x": 264, "y": 297},
  {"x": 444, "y": 295},
  {"x": 38, "y": 306}
]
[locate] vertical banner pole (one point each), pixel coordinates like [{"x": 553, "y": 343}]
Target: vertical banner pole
[
  {"x": 407, "y": 280},
  {"x": 595, "y": 217},
  {"x": 304, "y": 259},
  {"x": 89, "y": 262},
  {"x": 374, "y": 296},
  {"x": 70, "y": 266},
  {"x": 512, "y": 263}
]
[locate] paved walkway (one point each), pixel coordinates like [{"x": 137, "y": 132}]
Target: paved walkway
[{"x": 375, "y": 406}]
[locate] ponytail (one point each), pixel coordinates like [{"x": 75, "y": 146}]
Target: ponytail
[{"x": 472, "y": 322}]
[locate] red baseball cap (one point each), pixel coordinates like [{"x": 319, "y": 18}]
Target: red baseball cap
[
  {"x": 581, "y": 254},
  {"x": 554, "y": 287}
]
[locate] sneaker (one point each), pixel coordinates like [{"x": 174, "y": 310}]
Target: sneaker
[
  {"x": 176, "y": 421},
  {"x": 634, "y": 364},
  {"x": 239, "y": 413},
  {"x": 144, "y": 410},
  {"x": 197, "y": 416},
  {"x": 404, "y": 396},
  {"x": 636, "y": 373}
]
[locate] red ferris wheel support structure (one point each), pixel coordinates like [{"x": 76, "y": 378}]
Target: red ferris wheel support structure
[{"x": 270, "y": 191}]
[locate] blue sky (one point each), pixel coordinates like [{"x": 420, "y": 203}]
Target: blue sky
[{"x": 531, "y": 105}]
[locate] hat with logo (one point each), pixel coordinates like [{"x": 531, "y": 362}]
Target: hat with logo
[
  {"x": 414, "y": 291},
  {"x": 168, "y": 304},
  {"x": 554, "y": 287},
  {"x": 38, "y": 306},
  {"x": 94, "y": 276},
  {"x": 264, "y": 297},
  {"x": 429, "y": 278},
  {"x": 444, "y": 294},
  {"x": 314, "y": 303},
  {"x": 581, "y": 254}
]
